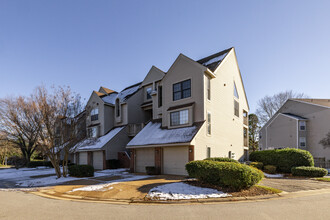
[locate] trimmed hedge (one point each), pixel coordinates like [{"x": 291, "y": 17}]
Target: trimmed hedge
[
  {"x": 270, "y": 169},
  {"x": 222, "y": 159},
  {"x": 39, "y": 163},
  {"x": 81, "y": 170},
  {"x": 225, "y": 174},
  {"x": 258, "y": 165},
  {"x": 309, "y": 171},
  {"x": 283, "y": 159}
]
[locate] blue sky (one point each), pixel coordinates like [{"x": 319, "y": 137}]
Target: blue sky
[{"x": 280, "y": 45}]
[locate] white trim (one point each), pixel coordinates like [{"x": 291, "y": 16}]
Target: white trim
[{"x": 297, "y": 134}]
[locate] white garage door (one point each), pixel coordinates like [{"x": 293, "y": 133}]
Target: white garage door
[
  {"x": 175, "y": 159},
  {"x": 98, "y": 160},
  {"x": 83, "y": 158},
  {"x": 144, "y": 157}
]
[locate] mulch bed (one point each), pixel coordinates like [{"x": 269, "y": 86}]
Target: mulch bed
[{"x": 253, "y": 191}]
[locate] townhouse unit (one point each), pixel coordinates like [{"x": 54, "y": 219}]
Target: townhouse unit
[
  {"x": 112, "y": 119},
  {"x": 301, "y": 124},
  {"x": 199, "y": 109}
]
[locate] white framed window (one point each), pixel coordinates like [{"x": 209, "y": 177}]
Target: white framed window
[
  {"x": 208, "y": 152},
  {"x": 179, "y": 117},
  {"x": 302, "y": 141},
  {"x": 302, "y": 126},
  {"x": 94, "y": 114},
  {"x": 209, "y": 123}
]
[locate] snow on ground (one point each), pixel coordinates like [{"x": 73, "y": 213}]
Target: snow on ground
[
  {"x": 175, "y": 191},
  {"x": 22, "y": 176},
  {"x": 273, "y": 175},
  {"x": 106, "y": 186}
]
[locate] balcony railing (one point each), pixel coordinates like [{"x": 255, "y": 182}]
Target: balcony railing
[{"x": 133, "y": 129}]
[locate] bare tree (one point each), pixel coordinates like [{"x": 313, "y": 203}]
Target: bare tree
[
  {"x": 326, "y": 141},
  {"x": 57, "y": 110},
  {"x": 18, "y": 124},
  {"x": 269, "y": 105}
]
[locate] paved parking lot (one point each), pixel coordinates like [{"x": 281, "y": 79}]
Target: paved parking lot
[{"x": 294, "y": 184}]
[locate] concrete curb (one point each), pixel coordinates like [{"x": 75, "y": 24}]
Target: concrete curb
[{"x": 282, "y": 195}]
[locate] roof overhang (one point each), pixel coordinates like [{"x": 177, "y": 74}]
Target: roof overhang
[
  {"x": 209, "y": 73},
  {"x": 160, "y": 145}
]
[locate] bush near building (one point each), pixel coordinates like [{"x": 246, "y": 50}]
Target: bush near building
[
  {"x": 270, "y": 169},
  {"x": 81, "y": 170},
  {"x": 222, "y": 159},
  {"x": 309, "y": 171},
  {"x": 258, "y": 165},
  {"x": 283, "y": 159},
  {"x": 225, "y": 174}
]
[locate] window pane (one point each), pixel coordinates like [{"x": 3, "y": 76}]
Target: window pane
[
  {"x": 175, "y": 118},
  {"x": 149, "y": 93},
  {"x": 177, "y": 87},
  {"x": 176, "y": 95},
  {"x": 186, "y": 93},
  {"x": 183, "y": 117},
  {"x": 186, "y": 84}
]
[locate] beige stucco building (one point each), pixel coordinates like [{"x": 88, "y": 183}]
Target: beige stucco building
[
  {"x": 299, "y": 123},
  {"x": 199, "y": 109}
]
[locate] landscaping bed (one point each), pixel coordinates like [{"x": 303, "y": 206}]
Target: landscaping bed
[{"x": 253, "y": 191}]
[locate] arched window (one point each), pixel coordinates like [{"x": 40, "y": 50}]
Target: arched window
[{"x": 117, "y": 108}]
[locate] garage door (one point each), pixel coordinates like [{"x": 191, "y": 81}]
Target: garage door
[
  {"x": 98, "y": 160},
  {"x": 175, "y": 159},
  {"x": 83, "y": 158},
  {"x": 144, "y": 157}
]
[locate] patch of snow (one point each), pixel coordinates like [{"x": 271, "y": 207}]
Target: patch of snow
[
  {"x": 90, "y": 144},
  {"x": 175, "y": 191},
  {"x": 273, "y": 175},
  {"x": 152, "y": 133},
  {"x": 105, "y": 186},
  {"x": 126, "y": 92},
  {"x": 25, "y": 180},
  {"x": 13, "y": 174},
  {"x": 111, "y": 98},
  {"x": 215, "y": 59}
]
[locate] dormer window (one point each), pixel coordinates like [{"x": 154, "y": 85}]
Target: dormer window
[
  {"x": 94, "y": 114},
  {"x": 117, "y": 108},
  {"x": 182, "y": 90}
]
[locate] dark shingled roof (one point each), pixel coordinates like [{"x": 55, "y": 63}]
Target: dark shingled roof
[{"x": 213, "y": 61}]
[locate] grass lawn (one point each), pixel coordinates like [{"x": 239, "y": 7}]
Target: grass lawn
[
  {"x": 4, "y": 166},
  {"x": 325, "y": 179}
]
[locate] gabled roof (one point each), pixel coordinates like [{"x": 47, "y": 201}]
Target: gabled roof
[
  {"x": 154, "y": 134},
  {"x": 213, "y": 61}
]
